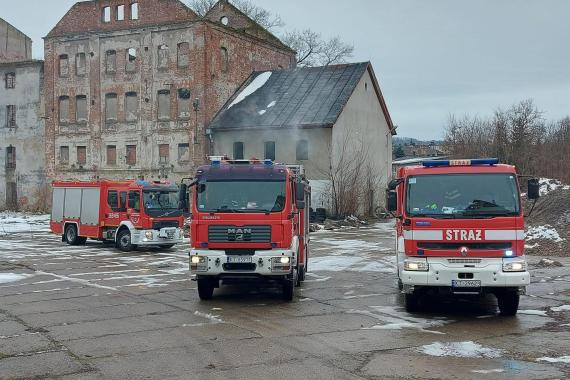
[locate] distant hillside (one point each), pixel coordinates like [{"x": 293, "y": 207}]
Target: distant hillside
[{"x": 397, "y": 140}]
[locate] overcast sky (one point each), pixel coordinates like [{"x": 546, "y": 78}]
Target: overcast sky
[{"x": 432, "y": 58}]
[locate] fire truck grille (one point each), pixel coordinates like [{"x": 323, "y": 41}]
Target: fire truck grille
[
  {"x": 239, "y": 266},
  {"x": 165, "y": 224},
  {"x": 464, "y": 261},
  {"x": 240, "y": 252},
  {"x": 470, "y": 246},
  {"x": 234, "y": 234}
]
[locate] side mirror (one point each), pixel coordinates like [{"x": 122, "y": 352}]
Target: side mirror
[
  {"x": 394, "y": 183},
  {"x": 183, "y": 197},
  {"x": 300, "y": 191},
  {"x": 300, "y": 204},
  {"x": 533, "y": 189},
  {"x": 391, "y": 200}
]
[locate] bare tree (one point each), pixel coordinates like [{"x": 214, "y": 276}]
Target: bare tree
[
  {"x": 258, "y": 14},
  {"x": 313, "y": 50}
]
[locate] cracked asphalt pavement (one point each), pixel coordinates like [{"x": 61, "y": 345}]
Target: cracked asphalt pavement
[{"x": 92, "y": 312}]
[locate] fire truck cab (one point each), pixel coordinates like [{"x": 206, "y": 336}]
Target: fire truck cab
[
  {"x": 128, "y": 213},
  {"x": 249, "y": 222},
  {"x": 460, "y": 230}
]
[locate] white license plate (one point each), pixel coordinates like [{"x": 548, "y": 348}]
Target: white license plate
[
  {"x": 466, "y": 283},
  {"x": 239, "y": 259}
]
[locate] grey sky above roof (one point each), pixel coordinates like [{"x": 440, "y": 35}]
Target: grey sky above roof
[
  {"x": 432, "y": 58},
  {"x": 306, "y": 97}
]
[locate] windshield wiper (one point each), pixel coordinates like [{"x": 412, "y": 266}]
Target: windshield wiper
[{"x": 167, "y": 213}]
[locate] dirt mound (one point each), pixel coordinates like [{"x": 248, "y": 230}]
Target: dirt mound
[{"x": 548, "y": 227}]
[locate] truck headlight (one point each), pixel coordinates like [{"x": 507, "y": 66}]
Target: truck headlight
[
  {"x": 148, "y": 235},
  {"x": 417, "y": 265},
  {"x": 199, "y": 263},
  {"x": 514, "y": 266},
  {"x": 281, "y": 264}
]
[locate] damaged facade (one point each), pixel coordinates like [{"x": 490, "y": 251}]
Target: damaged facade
[
  {"x": 22, "y": 176},
  {"x": 131, "y": 85},
  {"x": 333, "y": 120}
]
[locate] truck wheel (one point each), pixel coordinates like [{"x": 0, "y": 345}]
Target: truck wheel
[
  {"x": 70, "y": 234},
  {"x": 508, "y": 303},
  {"x": 412, "y": 302},
  {"x": 124, "y": 241},
  {"x": 205, "y": 289},
  {"x": 289, "y": 287}
]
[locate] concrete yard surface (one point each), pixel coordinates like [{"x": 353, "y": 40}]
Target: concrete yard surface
[{"x": 92, "y": 312}]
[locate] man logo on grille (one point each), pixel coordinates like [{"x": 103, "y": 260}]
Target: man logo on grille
[{"x": 239, "y": 234}]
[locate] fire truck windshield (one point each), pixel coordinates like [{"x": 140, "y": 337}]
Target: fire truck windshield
[
  {"x": 241, "y": 196},
  {"x": 160, "y": 203},
  {"x": 462, "y": 195}
]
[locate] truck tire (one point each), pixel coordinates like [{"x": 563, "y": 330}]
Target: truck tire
[
  {"x": 412, "y": 302},
  {"x": 289, "y": 287},
  {"x": 124, "y": 241},
  {"x": 70, "y": 235},
  {"x": 508, "y": 303},
  {"x": 205, "y": 289}
]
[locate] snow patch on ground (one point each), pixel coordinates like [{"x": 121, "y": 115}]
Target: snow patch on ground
[
  {"x": 561, "y": 308},
  {"x": 561, "y": 359},
  {"x": 467, "y": 349},
  {"x": 211, "y": 317},
  {"x": 547, "y": 185},
  {"x": 486, "y": 371},
  {"x": 543, "y": 232},
  {"x": 12, "y": 277},
  {"x": 16, "y": 222},
  {"x": 542, "y": 313},
  {"x": 255, "y": 85},
  {"x": 394, "y": 318},
  {"x": 350, "y": 263}
]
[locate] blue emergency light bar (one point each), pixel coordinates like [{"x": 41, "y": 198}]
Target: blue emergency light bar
[{"x": 477, "y": 161}]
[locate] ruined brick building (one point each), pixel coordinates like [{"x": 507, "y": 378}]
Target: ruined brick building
[
  {"x": 130, "y": 86},
  {"x": 22, "y": 176}
]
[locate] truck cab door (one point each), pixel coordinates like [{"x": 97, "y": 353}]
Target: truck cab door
[
  {"x": 112, "y": 215},
  {"x": 134, "y": 207}
]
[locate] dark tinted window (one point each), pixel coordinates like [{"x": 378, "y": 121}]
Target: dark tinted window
[
  {"x": 270, "y": 150},
  {"x": 135, "y": 200},
  {"x": 238, "y": 150},
  {"x": 113, "y": 200}
]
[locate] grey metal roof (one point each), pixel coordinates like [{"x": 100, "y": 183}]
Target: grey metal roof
[{"x": 302, "y": 97}]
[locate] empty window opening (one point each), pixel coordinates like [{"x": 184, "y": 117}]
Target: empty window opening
[
  {"x": 106, "y": 14},
  {"x": 163, "y": 56},
  {"x": 184, "y": 95},
  {"x": 111, "y": 107},
  {"x": 81, "y": 155},
  {"x": 120, "y": 12},
  {"x": 224, "y": 59},
  {"x": 131, "y": 61},
  {"x": 80, "y": 64},
  {"x": 63, "y": 109},
  {"x": 183, "y": 54},
  {"x": 270, "y": 150},
  {"x": 64, "y": 154},
  {"x": 302, "y": 150},
  {"x": 131, "y": 156},
  {"x": 111, "y": 155},
  {"x": 164, "y": 105},
  {"x": 184, "y": 152},
  {"x": 10, "y": 80},
  {"x": 238, "y": 150},
  {"x": 11, "y": 116},
  {"x": 134, "y": 11},
  {"x": 163, "y": 153},
  {"x": 81, "y": 108},
  {"x": 11, "y": 157},
  {"x": 131, "y": 106},
  {"x": 63, "y": 65},
  {"x": 111, "y": 61}
]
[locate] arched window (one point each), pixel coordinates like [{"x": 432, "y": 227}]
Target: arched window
[
  {"x": 131, "y": 106},
  {"x": 183, "y": 54},
  {"x": 63, "y": 109},
  {"x": 111, "y": 61},
  {"x": 111, "y": 107},
  {"x": 131, "y": 60},
  {"x": 106, "y": 14},
  {"x": 120, "y": 12},
  {"x": 224, "y": 59},
  {"x": 163, "y": 56},
  {"x": 10, "y": 80},
  {"x": 63, "y": 65},
  {"x": 81, "y": 108}
]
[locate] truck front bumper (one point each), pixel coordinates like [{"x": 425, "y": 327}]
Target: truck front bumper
[
  {"x": 263, "y": 263},
  {"x": 442, "y": 272},
  {"x": 164, "y": 236}
]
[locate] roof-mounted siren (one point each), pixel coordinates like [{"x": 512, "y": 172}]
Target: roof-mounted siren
[{"x": 477, "y": 161}]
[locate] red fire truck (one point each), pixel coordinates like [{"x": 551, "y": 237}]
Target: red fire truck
[
  {"x": 250, "y": 221},
  {"x": 460, "y": 230},
  {"x": 129, "y": 213}
]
